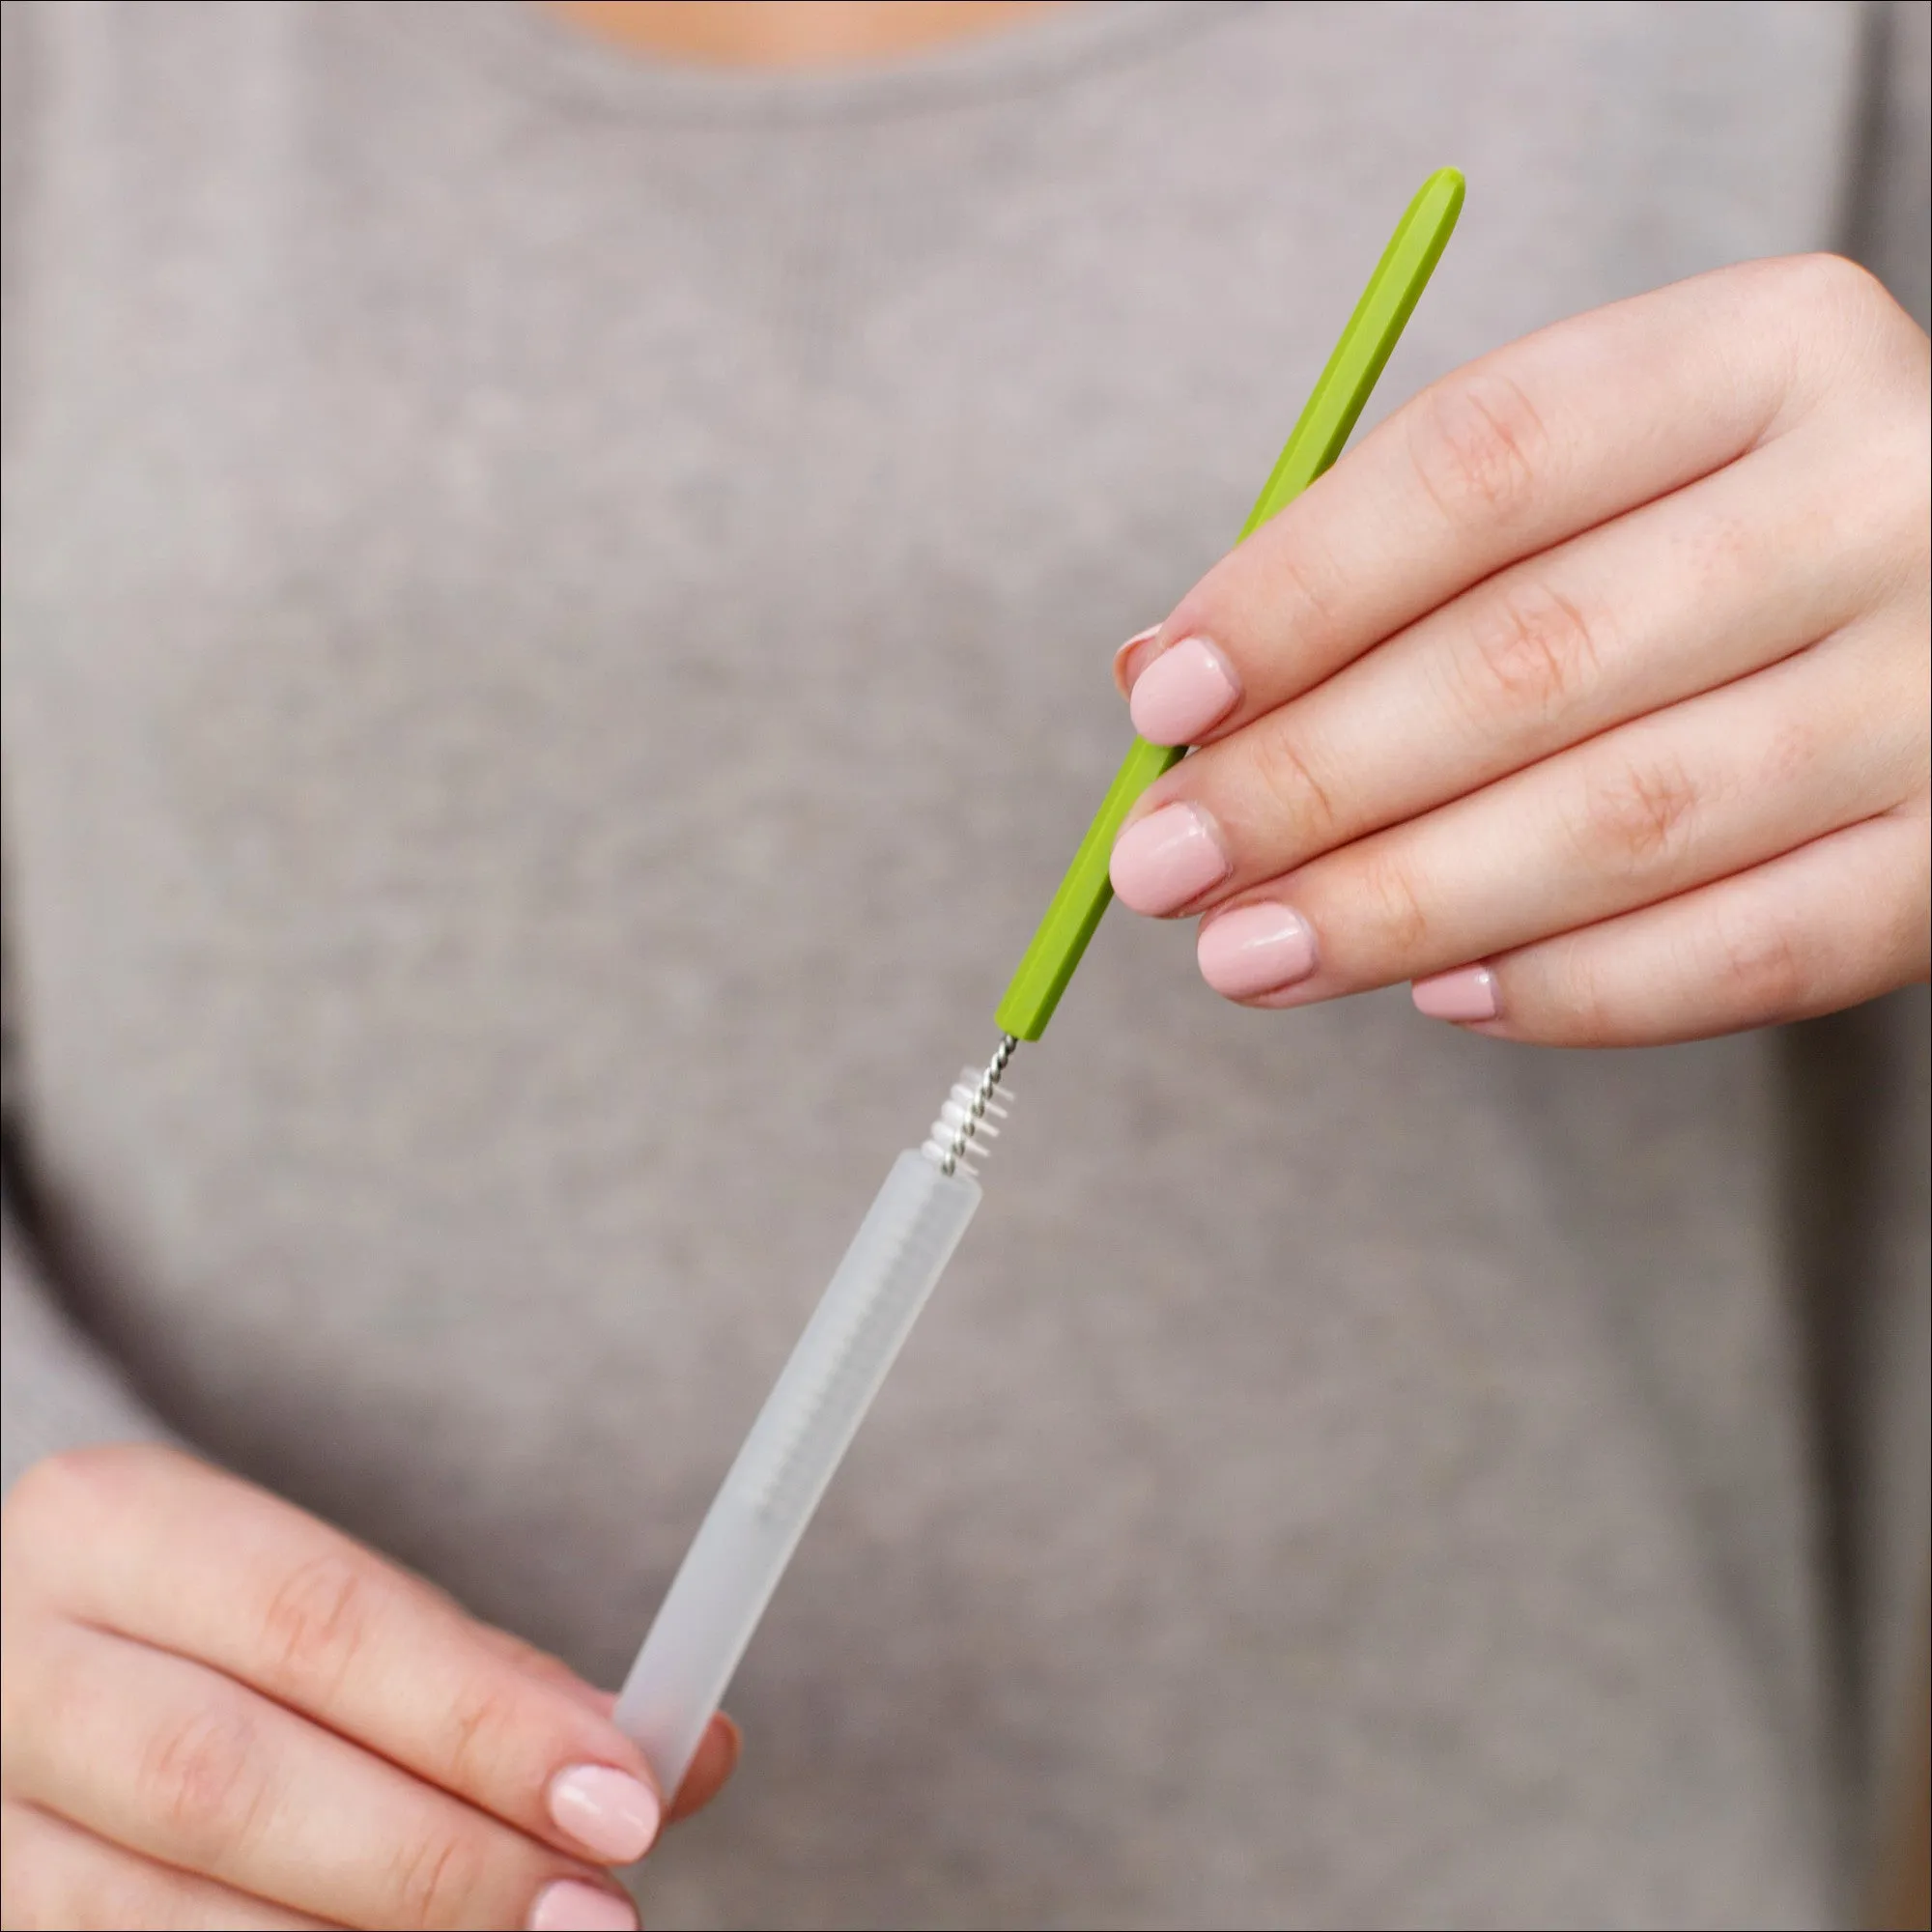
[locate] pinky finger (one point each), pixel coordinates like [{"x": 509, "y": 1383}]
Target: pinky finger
[
  {"x": 1841, "y": 920},
  {"x": 58, "y": 1875}
]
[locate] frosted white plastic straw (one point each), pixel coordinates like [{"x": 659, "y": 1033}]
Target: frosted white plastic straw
[{"x": 809, "y": 1420}]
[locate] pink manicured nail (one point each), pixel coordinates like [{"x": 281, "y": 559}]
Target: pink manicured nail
[
  {"x": 1188, "y": 689},
  {"x": 1468, "y": 993},
  {"x": 572, "y": 1906},
  {"x": 1121, "y": 681},
  {"x": 1169, "y": 857},
  {"x": 1255, "y": 949},
  {"x": 611, "y": 1814}
]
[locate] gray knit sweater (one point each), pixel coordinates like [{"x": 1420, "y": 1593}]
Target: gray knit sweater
[{"x": 556, "y": 616}]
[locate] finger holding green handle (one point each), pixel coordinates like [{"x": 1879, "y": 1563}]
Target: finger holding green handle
[{"x": 1317, "y": 441}]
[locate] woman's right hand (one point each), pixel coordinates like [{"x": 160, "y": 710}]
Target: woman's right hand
[{"x": 220, "y": 1712}]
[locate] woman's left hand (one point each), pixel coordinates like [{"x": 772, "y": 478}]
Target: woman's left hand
[{"x": 1590, "y": 693}]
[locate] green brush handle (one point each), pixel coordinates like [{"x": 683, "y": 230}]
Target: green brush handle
[{"x": 1373, "y": 332}]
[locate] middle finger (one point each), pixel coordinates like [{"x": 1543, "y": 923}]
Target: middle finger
[{"x": 1673, "y": 599}]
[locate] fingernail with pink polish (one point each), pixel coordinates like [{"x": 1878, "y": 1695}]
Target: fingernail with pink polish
[
  {"x": 1186, "y": 691},
  {"x": 572, "y": 1906},
  {"x": 611, "y": 1814},
  {"x": 1255, "y": 949},
  {"x": 1167, "y": 859},
  {"x": 1121, "y": 656},
  {"x": 1468, "y": 993}
]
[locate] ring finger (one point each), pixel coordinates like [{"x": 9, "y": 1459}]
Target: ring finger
[{"x": 1836, "y": 921}]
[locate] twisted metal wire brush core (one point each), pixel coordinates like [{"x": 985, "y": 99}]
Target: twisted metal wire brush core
[{"x": 963, "y": 1122}]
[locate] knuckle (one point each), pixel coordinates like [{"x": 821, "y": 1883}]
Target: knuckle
[
  {"x": 1584, "y": 997},
  {"x": 1395, "y": 910},
  {"x": 1840, "y": 328},
  {"x": 317, "y": 1620},
  {"x": 36, "y": 1498},
  {"x": 1299, "y": 576},
  {"x": 434, "y": 1877},
  {"x": 1771, "y": 971},
  {"x": 62, "y": 1494},
  {"x": 61, "y": 1509},
  {"x": 1793, "y": 749},
  {"x": 30, "y": 1522},
  {"x": 1479, "y": 446},
  {"x": 205, "y": 1778},
  {"x": 483, "y": 1723},
  {"x": 1533, "y": 650},
  {"x": 1832, "y": 285},
  {"x": 1636, "y": 817},
  {"x": 1291, "y": 791}
]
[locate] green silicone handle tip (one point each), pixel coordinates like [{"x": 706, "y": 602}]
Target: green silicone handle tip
[{"x": 1317, "y": 441}]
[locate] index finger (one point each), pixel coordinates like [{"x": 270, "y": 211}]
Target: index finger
[
  {"x": 307, "y": 1616},
  {"x": 1547, "y": 437}
]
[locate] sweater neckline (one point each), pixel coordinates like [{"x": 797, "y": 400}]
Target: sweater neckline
[{"x": 529, "y": 47}]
